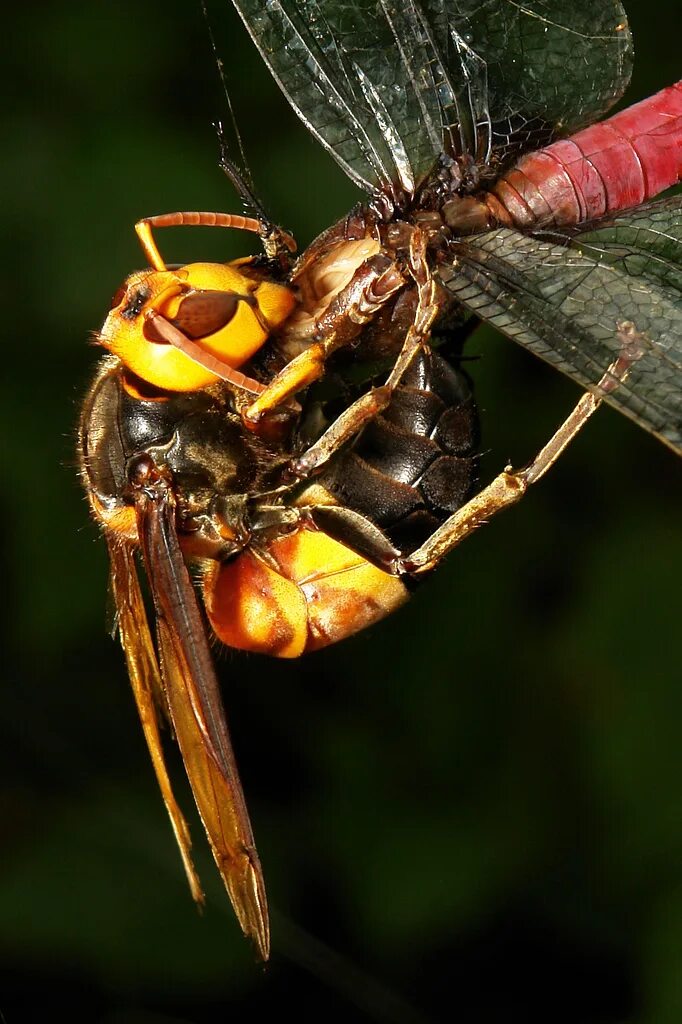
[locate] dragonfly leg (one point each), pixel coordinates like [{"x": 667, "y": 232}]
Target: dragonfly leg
[
  {"x": 369, "y": 405},
  {"x": 374, "y": 284},
  {"x": 368, "y": 540},
  {"x": 510, "y": 486},
  {"x": 427, "y": 310},
  {"x": 345, "y": 427}
]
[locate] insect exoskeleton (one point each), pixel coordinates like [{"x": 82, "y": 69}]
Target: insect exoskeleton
[
  {"x": 325, "y": 572},
  {"x": 162, "y": 322},
  {"x": 286, "y": 567}
]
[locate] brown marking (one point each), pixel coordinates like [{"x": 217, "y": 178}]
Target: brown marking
[
  {"x": 201, "y": 313},
  {"x": 157, "y": 328}
]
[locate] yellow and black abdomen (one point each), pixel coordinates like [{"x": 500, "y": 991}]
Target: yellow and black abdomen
[{"x": 409, "y": 470}]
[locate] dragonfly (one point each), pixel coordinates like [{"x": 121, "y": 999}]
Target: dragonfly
[
  {"x": 456, "y": 106},
  {"x": 494, "y": 193}
]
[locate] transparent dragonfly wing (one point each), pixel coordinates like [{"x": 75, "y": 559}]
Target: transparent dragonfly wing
[
  {"x": 554, "y": 66},
  {"x": 563, "y": 297},
  {"x": 387, "y": 86}
]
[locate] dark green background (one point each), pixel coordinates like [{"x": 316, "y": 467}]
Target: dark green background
[{"x": 472, "y": 808}]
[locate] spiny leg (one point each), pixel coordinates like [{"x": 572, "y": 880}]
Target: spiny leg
[
  {"x": 427, "y": 310},
  {"x": 345, "y": 427},
  {"x": 360, "y": 534},
  {"x": 374, "y": 284},
  {"x": 510, "y": 486},
  {"x": 369, "y": 405}
]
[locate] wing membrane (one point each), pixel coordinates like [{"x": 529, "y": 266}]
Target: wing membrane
[
  {"x": 563, "y": 296},
  {"x": 198, "y": 717},
  {"x": 388, "y": 86},
  {"x": 553, "y": 65}
]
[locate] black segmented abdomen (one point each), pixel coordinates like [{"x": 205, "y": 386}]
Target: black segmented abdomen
[{"x": 416, "y": 463}]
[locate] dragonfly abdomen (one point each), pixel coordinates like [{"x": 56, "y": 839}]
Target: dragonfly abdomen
[{"x": 610, "y": 166}]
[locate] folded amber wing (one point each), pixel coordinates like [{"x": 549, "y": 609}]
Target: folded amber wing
[
  {"x": 145, "y": 680},
  {"x": 197, "y": 713}
]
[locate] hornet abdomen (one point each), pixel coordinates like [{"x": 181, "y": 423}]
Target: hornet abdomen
[{"x": 409, "y": 470}]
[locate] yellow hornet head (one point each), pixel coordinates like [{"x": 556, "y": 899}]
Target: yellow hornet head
[{"x": 225, "y": 310}]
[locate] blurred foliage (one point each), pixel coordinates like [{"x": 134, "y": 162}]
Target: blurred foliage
[{"x": 468, "y": 814}]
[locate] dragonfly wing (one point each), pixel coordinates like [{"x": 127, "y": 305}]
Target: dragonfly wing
[
  {"x": 388, "y": 86},
  {"x": 198, "y": 717},
  {"x": 364, "y": 78},
  {"x": 563, "y": 296},
  {"x": 553, "y": 65}
]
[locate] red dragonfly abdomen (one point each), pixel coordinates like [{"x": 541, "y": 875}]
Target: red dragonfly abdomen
[{"x": 610, "y": 166}]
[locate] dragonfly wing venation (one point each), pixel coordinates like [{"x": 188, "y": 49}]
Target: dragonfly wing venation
[
  {"x": 553, "y": 65},
  {"x": 563, "y": 297},
  {"x": 388, "y": 86},
  {"x": 367, "y": 81}
]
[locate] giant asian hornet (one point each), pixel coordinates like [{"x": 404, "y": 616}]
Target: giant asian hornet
[{"x": 203, "y": 445}]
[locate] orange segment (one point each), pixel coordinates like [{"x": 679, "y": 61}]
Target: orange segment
[
  {"x": 343, "y": 592},
  {"x": 253, "y": 608}
]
